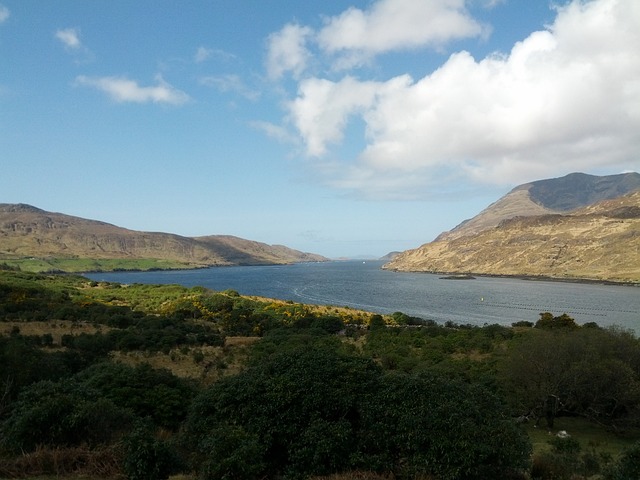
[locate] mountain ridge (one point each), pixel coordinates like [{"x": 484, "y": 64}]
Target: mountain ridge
[
  {"x": 555, "y": 195},
  {"x": 28, "y": 231}
]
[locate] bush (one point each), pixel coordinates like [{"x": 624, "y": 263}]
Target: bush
[
  {"x": 231, "y": 453},
  {"x": 430, "y": 425},
  {"x": 62, "y": 414},
  {"x": 317, "y": 411},
  {"x": 143, "y": 390},
  {"x": 627, "y": 467},
  {"x": 147, "y": 457}
]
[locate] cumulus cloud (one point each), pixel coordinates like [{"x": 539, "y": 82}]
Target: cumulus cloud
[
  {"x": 70, "y": 38},
  {"x": 563, "y": 99},
  {"x": 4, "y": 13},
  {"x": 355, "y": 36},
  {"x": 287, "y": 51},
  {"x": 396, "y": 25},
  {"x": 122, "y": 89}
]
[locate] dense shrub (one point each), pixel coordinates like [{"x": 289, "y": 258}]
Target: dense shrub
[
  {"x": 429, "y": 424},
  {"x": 315, "y": 411},
  {"x": 147, "y": 392},
  {"x": 147, "y": 457},
  {"x": 63, "y": 413}
]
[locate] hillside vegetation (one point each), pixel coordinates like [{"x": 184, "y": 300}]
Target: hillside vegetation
[
  {"x": 37, "y": 240},
  {"x": 146, "y": 381}
]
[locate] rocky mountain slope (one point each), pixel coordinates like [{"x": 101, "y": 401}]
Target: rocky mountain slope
[
  {"x": 576, "y": 227},
  {"x": 27, "y": 231},
  {"x": 555, "y": 195}
]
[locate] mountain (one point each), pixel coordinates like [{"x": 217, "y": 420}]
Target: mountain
[
  {"x": 27, "y": 231},
  {"x": 575, "y": 227},
  {"x": 555, "y": 195}
]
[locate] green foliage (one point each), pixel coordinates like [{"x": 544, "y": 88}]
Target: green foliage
[
  {"x": 431, "y": 425},
  {"x": 458, "y": 351},
  {"x": 146, "y": 457},
  {"x": 53, "y": 265},
  {"x": 23, "y": 363},
  {"x": 563, "y": 322},
  {"x": 300, "y": 405},
  {"x": 591, "y": 372},
  {"x": 405, "y": 397},
  {"x": 627, "y": 467},
  {"x": 62, "y": 413},
  {"x": 148, "y": 393},
  {"x": 565, "y": 445},
  {"x": 230, "y": 453},
  {"x": 316, "y": 410},
  {"x": 566, "y": 461}
]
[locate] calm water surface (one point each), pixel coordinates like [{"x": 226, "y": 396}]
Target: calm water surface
[{"x": 365, "y": 286}]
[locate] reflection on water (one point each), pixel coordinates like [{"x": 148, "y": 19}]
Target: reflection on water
[{"x": 364, "y": 285}]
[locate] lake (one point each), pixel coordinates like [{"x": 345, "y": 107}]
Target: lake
[{"x": 363, "y": 285}]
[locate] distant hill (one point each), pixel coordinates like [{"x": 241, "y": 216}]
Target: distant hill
[
  {"x": 389, "y": 256},
  {"x": 575, "y": 227},
  {"x": 27, "y": 231}
]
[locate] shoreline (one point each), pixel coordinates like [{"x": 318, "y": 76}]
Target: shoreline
[{"x": 533, "y": 278}]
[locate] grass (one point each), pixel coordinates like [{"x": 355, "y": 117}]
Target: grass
[
  {"x": 589, "y": 434},
  {"x": 78, "y": 265}
]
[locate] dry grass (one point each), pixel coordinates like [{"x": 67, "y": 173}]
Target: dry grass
[
  {"x": 205, "y": 364},
  {"x": 57, "y": 328},
  {"x": 69, "y": 462}
]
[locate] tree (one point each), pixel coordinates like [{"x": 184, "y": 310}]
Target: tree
[
  {"x": 147, "y": 457},
  {"x": 298, "y": 409},
  {"x": 63, "y": 413},
  {"x": 563, "y": 322},
  {"x": 584, "y": 371},
  {"x": 430, "y": 425},
  {"x": 147, "y": 392},
  {"x": 317, "y": 410}
]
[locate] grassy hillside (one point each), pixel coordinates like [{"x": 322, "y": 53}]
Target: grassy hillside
[
  {"x": 599, "y": 242},
  {"x": 37, "y": 240}
]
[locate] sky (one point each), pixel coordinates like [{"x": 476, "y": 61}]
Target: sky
[{"x": 343, "y": 128}]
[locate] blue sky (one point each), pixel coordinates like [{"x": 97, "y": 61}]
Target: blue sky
[{"x": 342, "y": 128}]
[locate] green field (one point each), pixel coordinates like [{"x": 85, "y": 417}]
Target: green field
[{"x": 83, "y": 265}]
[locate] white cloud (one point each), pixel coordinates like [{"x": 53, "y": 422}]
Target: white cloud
[
  {"x": 230, "y": 83},
  {"x": 122, "y": 89},
  {"x": 287, "y": 51},
  {"x": 354, "y": 37},
  {"x": 564, "y": 99},
  {"x": 4, "y": 13},
  {"x": 70, "y": 37},
  {"x": 396, "y": 25},
  {"x": 323, "y": 108}
]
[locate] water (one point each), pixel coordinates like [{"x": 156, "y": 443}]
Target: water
[{"x": 363, "y": 285}]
